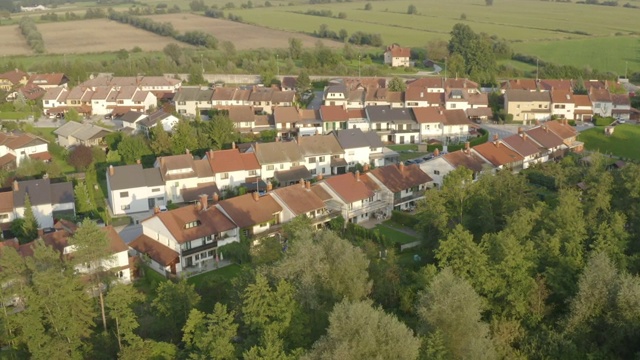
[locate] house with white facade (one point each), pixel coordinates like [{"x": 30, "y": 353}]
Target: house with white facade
[
  {"x": 357, "y": 119},
  {"x": 252, "y": 213},
  {"x": 47, "y": 200},
  {"x": 397, "y": 56},
  {"x": 529, "y": 149},
  {"x": 402, "y": 185},
  {"x": 164, "y": 119},
  {"x": 277, "y": 156},
  {"x": 185, "y": 240},
  {"x": 299, "y": 200},
  {"x": 182, "y": 172},
  {"x": 132, "y": 189},
  {"x": 310, "y": 122},
  {"x": 363, "y": 147},
  {"x": 431, "y": 122},
  {"x": 395, "y": 125},
  {"x": 232, "y": 168},
  {"x": 322, "y": 154},
  {"x": 336, "y": 95},
  {"x": 552, "y": 145},
  {"x": 621, "y": 106},
  {"x": 17, "y": 147},
  {"x": 563, "y": 104},
  {"x": 334, "y": 117},
  {"x": 356, "y": 197},
  {"x": 601, "y": 101}
]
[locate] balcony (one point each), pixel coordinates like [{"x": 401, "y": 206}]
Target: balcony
[
  {"x": 418, "y": 195},
  {"x": 198, "y": 249},
  {"x": 368, "y": 208}
]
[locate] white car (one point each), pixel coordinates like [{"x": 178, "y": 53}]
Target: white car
[{"x": 163, "y": 208}]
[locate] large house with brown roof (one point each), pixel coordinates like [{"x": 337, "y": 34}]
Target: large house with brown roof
[
  {"x": 553, "y": 146},
  {"x": 499, "y": 155},
  {"x": 13, "y": 79},
  {"x": 402, "y": 185},
  {"x": 299, "y": 200},
  {"x": 527, "y": 106},
  {"x": 441, "y": 165},
  {"x": 182, "y": 172},
  {"x": 186, "y": 239},
  {"x": 322, "y": 154},
  {"x": 567, "y": 133},
  {"x": 47, "y": 81},
  {"x": 356, "y": 197},
  {"x": 17, "y": 147},
  {"x": 397, "y": 56},
  {"x": 232, "y": 168},
  {"x": 253, "y": 213},
  {"x": 277, "y": 156},
  {"x": 528, "y": 148}
]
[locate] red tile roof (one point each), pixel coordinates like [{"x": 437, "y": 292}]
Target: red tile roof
[
  {"x": 431, "y": 114},
  {"x": 246, "y": 211},
  {"x": 498, "y": 154},
  {"x": 333, "y": 113},
  {"x": 348, "y": 188},
  {"x": 210, "y": 221},
  {"x": 400, "y": 177},
  {"x": 299, "y": 199},
  {"x": 158, "y": 252},
  {"x": 222, "y": 161},
  {"x": 564, "y": 131},
  {"x": 397, "y": 51}
]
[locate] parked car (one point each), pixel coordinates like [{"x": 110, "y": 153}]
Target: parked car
[
  {"x": 410, "y": 162},
  {"x": 418, "y": 161},
  {"x": 163, "y": 208},
  {"x": 108, "y": 117}
]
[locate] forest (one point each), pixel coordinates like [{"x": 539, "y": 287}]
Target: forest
[{"x": 513, "y": 266}]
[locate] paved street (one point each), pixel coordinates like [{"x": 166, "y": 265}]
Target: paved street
[{"x": 503, "y": 131}]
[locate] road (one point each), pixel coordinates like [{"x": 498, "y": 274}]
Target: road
[{"x": 317, "y": 100}]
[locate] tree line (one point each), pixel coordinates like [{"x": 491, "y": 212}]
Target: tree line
[{"x": 30, "y": 31}]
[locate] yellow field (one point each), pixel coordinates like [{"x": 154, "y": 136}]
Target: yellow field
[{"x": 13, "y": 43}]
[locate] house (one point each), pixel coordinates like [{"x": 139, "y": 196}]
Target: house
[
  {"x": 356, "y": 197},
  {"x": 396, "y": 56},
  {"x": 181, "y": 172},
  {"x": 357, "y": 119},
  {"x": 422, "y": 97},
  {"x": 13, "y": 79},
  {"x": 519, "y": 84},
  {"x": 166, "y": 120},
  {"x": 402, "y": 185},
  {"x": 54, "y": 101},
  {"x": 285, "y": 119},
  {"x": 292, "y": 176},
  {"x": 132, "y": 189},
  {"x": 529, "y": 149},
  {"x": 322, "y": 154},
  {"x": 298, "y": 200},
  {"x": 334, "y": 117},
  {"x": 7, "y": 211},
  {"x": 47, "y": 81},
  {"x": 361, "y": 147},
  {"x": 116, "y": 263},
  {"x": 232, "y": 168},
  {"x": 552, "y": 144},
  {"x": 567, "y": 133},
  {"x": 555, "y": 84},
  {"x": 456, "y": 126},
  {"x": 243, "y": 118},
  {"x": 253, "y": 214},
  {"x": 336, "y": 95},
  {"x": 186, "y": 239},
  {"x": 528, "y": 106},
  {"x": 563, "y": 104},
  {"x": 431, "y": 122},
  {"x": 621, "y": 106},
  {"x": 383, "y": 96},
  {"x": 601, "y": 101},
  {"x": 73, "y": 133},
  {"x": 395, "y": 125},
  {"x": 277, "y": 156},
  {"x": 186, "y": 100},
  {"x": 289, "y": 83},
  {"x": 48, "y": 200},
  {"x": 499, "y": 155},
  {"x": 583, "y": 109},
  {"x": 310, "y": 122},
  {"x": 129, "y": 121},
  {"x": 468, "y": 159},
  {"x": 16, "y": 147}
]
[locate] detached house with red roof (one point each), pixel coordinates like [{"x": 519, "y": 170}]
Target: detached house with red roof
[
  {"x": 356, "y": 197},
  {"x": 185, "y": 240},
  {"x": 231, "y": 168},
  {"x": 397, "y": 56},
  {"x": 499, "y": 155},
  {"x": 402, "y": 185},
  {"x": 16, "y": 147},
  {"x": 13, "y": 79}
]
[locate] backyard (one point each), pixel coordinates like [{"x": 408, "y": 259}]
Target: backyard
[{"x": 623, "y": 143}]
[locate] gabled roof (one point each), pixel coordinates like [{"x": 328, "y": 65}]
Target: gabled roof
[
  {"x": 59, "y": 239},
  {"x": 187, "y": 94},
  {"x": 158, "y": 252},
  {"x": 582, "y": 101},
  {"x": 280, "y": 97},
  {"x": 209, "y": 221},
  {"x": 42, "y": 192},
  {"x": 154, "y": 118},
  {"x": 455, "y": 117},
  {"x": 6, "y": 202},
  {"x": 241, "y": 114},
  {"x": 468, "y": 159},
  {"x": 132, "y": 116},
  {"x": 356, "y": 114},
  {"x": 427, "y": 83},
  {"x": 543, "y": 136},
  {"x": 387, "y": 114},
  {"x": 20, "y": 141},
  {"x": 278, "y": 152},
  {"x": 285, "y": 114},
  {"x": 246, "y": 211},
  {"x": 331, "y": 113},
  {"x": 497, "y": 154},
  {"x": 525, "y": 95},
  {"x": 555, "y": 84},
  {"x": 599, "y": 95},
  {"x": 222, "y": 161},
  {"x": 621, "y": 99},
  {"x": 14, "y": 76},
  {"x": 520, "y": 84},
  {"x": 356, "y": 138},
  {"x": 133, "y": 176},
  {"x": 293, "y": 174},
  {"x": 562, "y": 97},
  {"x": 299, "y": 199},
  {"x": 522, "y": 144},
  {"x": 400, "y": 177},
  {"x": 32, "y": 92},
  {"x": 319, "y": 145},
  {"x": 55, "y": 93},
  {"x": 349, "y": 187},
  {"x": 223, "y": 94},
  {"x": 563, "y": 130},
  {"x": 397, "y": 51},
  {"x": 48, "y": 79},
  {"x": 82, "y": 132}
]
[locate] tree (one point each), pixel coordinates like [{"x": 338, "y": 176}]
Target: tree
[
  {"x": 476, "y": 51},
  {"x": 122, "y": 54},
  {"x": 196, "y": 76},
  {"x": 133, "y": 148},
  {"x": 119, "y": 301},
  {"x": 160, "y": 141},
  {"x": 457, "y": 190},
  {"x": 210, "y": 336},
  {"x": 360, "y": 331},
  {"x": 488, "y": 2},
  {"x": 222, "y": 131},
  {"x": 173, "y": 51},
  {"x": 303, "y": 82},
  {"x": 295, "y": 48},
  {"x": 183, "y": 138},
  {"x": 149, "y": 349},
  {"x": 451, "y": 306},
  {"x": 72, "y": 115},
  {"x": 412, "y": 10},
  {"x": 80, "y": 157},
  {"x": 368, "y": 6},
  {"x": 396, "y": 84},
  {"x": 174, "y": 302},
  {"x": 84, "y": 204},
  {"x": 30, "y": 223}
]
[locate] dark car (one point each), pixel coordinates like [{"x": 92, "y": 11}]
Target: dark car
[
  {"x": 108, "y": 117},
  {"x": 428, "y": 157},
  {"x": 418, "y": 161}
]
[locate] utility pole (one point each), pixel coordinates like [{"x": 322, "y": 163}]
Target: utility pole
[
  {"x": 359, "y": 66},
  {"x": 277, "y": 68},
  {"x": 536, "y": 69},
  {"x": 626, "y": 68},
  {"x": 445, "y": 68},
  {"x": 202, "y": 64}
]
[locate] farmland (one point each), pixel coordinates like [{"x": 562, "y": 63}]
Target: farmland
[
  {"x": 73, "y": 37},
  {"x": 623, "y": 142},
  {"x": 13, "y": 43},
  {"x": 243, "y": 36}
]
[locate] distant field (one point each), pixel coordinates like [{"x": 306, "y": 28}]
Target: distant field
[
  {"x": 13, "y": 43},
  {"x": 623, "y": 142},
  {"x": 97, "y": 35},
  {"x": 243, "y": 36}
]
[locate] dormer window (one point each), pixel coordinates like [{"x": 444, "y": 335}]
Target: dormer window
[{"x": 192, "y": 224}]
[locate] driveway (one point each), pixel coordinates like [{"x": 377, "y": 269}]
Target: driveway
[
  {"x": 317, "y": 100},
  {"x": 503, "y": 131}
]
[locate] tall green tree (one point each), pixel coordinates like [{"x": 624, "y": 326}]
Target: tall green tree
[
  {"x": 210, "y": 336},
  {"x": 360, "y": 331},
  {"x": 119, "y": 303},
  {"x": 30, "y": 224},
  {"x": 222, "y": 131},
  {"x": 83, "y": 199},
  {"x": 160, "y": 141},
  {"x": 133, "y": 148},
  {"x": 397, "y": 84},
  {"x": 174, "y": 302},
  {"x": 183, "y": 138}
]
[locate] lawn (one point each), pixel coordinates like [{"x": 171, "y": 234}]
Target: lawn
[
  {"x": 226, "y": 273},
  {"x": 395, "y": 235},
  {"x": 624, "y": 141}
]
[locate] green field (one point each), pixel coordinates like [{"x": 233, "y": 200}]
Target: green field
[{"x": 623, "y": 143}]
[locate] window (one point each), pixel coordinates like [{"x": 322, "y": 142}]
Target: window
[
  {"x": 269, "y": 167},
  {"x": 182, "y": 103},
  {"x": 197, "y": 257},
  {"x": 125, "y": 207},
  {"x": 224, "y": 176},
  {"x": 312, "y": 171},
  {"x": 281, "y": 166},
  {"x": 4, "y": 216},
  {"x": 192, "y": 224},
  {"x": 253, "y": 173},
  {"x": 312, "y": 160},
  {"x": 155, "y": 190},
  {"x": 453, "y": 106},
  {"x": 124, "y": 194},
  {"x": 187, "y": 245},
  {"x": 437, "y": 172},
  {"x": 321, "y": 159},
  {"x": 295, "y": 163}
]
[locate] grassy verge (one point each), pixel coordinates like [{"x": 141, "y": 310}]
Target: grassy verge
[
  {"x": 623, "y": 143},
  {"x": 225, "y": 273}
]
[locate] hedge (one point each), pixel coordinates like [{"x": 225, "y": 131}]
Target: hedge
[{"x": 404, "y": 219}]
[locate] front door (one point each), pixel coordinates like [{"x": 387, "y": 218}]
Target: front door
[
  {"x": 152, "y": 203},
  {"x": 189, "y": 261}
]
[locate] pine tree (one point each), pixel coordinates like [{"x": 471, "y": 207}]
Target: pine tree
[{"x": 30, "y": 225}]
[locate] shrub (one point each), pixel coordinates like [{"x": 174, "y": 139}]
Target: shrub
[{"x": 404, "y": 219}]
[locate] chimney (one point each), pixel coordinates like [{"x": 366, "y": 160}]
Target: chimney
[
  {"x": 15, "y": 185},
  {"x": 203, "y": 201},
  {"x": 216, "y": 197},
  {"x": 210, "y": 154},
  {"x": 186, "y": 151},
  {"x": 319, "y": 177},
  {"x": 524, "y": 136},
  {"x": 198, "y": 206},
  {"x": 436, "y": 152},
  {"x": 365, "y": 168},
  {"x": 138, "y": 161},
  {"x": 401, "y": 166},
  {"x": 112, "y": 170},
  {"x": 467, "y": 146},
  {"x": 357, "y": 175},
  {"x": 255, "y": 195},
  {"x": 302, "y": 182},
  {"x": 307, "y": 185},
  {"x": 546, "y": 129},
  {"x": 496, "y": 143},
  {"x": 156, "y": 210},
  {"x": 519, "y": 129},
  {"x": 495, "y": 137},
  {"x": 269, "y": 186},
  {"x": 233, "y": 145}
]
